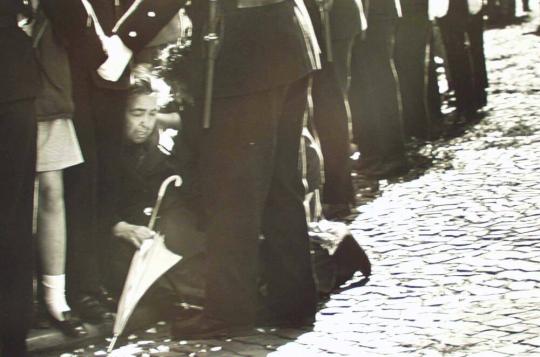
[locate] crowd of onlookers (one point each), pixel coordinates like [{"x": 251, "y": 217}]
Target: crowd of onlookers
[{"x": 104, "y": 147}]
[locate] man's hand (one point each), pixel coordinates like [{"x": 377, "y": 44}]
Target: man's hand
[
  {"x": 132, "y": 234},
  {"x": 119, "y": 56}
]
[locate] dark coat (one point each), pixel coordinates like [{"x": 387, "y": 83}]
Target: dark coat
[
  {"x": 54, "y": 100},
  {"x": 144, "y": 168},
  {"x": 18, "y": 72},
  {"x": 260, "y": 48}
]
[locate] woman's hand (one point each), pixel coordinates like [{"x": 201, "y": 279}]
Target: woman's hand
[{"x": 132, "y": 234}]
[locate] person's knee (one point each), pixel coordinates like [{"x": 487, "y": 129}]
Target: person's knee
[{"x": 51, "y": 191}]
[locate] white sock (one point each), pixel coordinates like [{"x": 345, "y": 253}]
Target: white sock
[{"x": 54, "y": 295}]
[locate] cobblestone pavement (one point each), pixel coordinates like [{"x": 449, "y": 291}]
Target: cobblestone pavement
[{"x": 456, "y": 252}]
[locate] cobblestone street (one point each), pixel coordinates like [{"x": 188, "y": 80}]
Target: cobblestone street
[{"x": 455, "y": 252}]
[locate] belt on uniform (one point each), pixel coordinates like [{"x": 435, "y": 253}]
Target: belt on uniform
[
  {"x": 256, "y": 3},
  {"x": 7, "y": 21}
]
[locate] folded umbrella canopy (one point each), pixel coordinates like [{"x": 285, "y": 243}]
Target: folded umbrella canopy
[{"x": 149, "y": 263}]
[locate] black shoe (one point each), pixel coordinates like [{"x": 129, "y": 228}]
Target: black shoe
[
  {"x": 390, "y": 168},
  {"x": 336, "y": 210},
  {"x": 90, "y": 309},
  {"x": 286, "y": 322},
  {"x": 201, "y": 327},
  {"x": 365, "y": 164},
  {"x": 106, "y": 299},
  {"x": 71, "y": 326}
]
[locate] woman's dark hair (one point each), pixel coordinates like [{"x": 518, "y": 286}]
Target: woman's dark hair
[{"x": 141, "y": 81}]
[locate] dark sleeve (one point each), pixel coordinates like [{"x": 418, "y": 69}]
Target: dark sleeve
[
  {"x": 146, "y": 20},
  {"x": 68, "y": 17}
]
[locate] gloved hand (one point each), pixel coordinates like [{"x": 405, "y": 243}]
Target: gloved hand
[{"x": 118, "y": 58}]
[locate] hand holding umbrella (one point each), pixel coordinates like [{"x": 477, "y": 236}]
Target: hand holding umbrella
[{"x": 149, "y": 263}]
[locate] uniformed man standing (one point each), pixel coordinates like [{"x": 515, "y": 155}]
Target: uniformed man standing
[
  {"x": 374, "y": 94},
  {"x": 20, "y": 83},
  {"x": 330, "y": 115},
  {"x": 247, "y": 159},
  {"x": 466, "y": 61},
  {"x": 414, "y": 64}
]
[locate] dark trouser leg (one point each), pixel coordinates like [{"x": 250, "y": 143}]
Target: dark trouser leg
[
  {"x": 374, "y": 95},
  {"x": 459, "y": 65},
  {"x": 475, "y": 32},
  {"x": 17, "y": 165},
  {"x": 242, "y": 159},
  {"x": 90, "y": 188},
  {"x": 342, "y": 62},
  {"x": 108, "y": 115},
  {"x": 285, "y": 251},
  {"x": 331, "y": 125},
  {"x": 361, "y": 118},
  {"x": 80, "y": 195},
  {"x": 434, "y": 97},
  {"x": 412, "y": 61}
]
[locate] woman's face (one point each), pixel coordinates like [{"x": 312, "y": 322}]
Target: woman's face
[{"x": 140, "y": 117}]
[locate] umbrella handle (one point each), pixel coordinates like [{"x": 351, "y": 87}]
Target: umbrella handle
[{"x": 177, "y": 182}]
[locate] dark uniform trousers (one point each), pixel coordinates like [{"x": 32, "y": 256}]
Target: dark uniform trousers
[
  {"x": 413, "y": 59},
  {"x": 248, "y": 159},
  {"x": 465, "y": 62},
  {"x": 17, "y": 152},
  {"x": 374, "y": 94},
  {"x": 346, "y": 27},
  {"x": 20, "y": 82},
  {"x": 330, "y": 119},
  {"x": 475, "y": 33}
]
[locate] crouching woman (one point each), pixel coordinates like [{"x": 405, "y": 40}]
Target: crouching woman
[{"x": 144, "y": 166}]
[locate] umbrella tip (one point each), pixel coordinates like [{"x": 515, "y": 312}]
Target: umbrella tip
[{"x": 111, "y": 345}]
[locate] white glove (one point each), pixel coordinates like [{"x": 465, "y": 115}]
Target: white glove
[
  {"x": 119, "y": 56},
  {"x": 438, "y": 8},
  {"x": 475, "y": 6}
]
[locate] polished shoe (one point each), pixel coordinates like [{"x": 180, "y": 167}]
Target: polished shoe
[
  {"x": 336, "y": 210},
  {"x": 201, "y": 327},
  {"x": 390, "y": 168},
  {"x": 70, "y": 326},
  {"x": 106, "y": 299},
  {"x": 363, "y": 165},
  {"x": 287, "y": 321},
  {"x": 92, "y": 310}
]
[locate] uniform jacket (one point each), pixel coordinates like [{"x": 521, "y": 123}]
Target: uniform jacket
[
  {"x": 18, "y": 71},
  {"x": 78, "y": 30},
  {"x": 260, "y": 48}
]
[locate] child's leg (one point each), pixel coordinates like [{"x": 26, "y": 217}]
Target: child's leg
[{"x": 51, "y": 234}]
